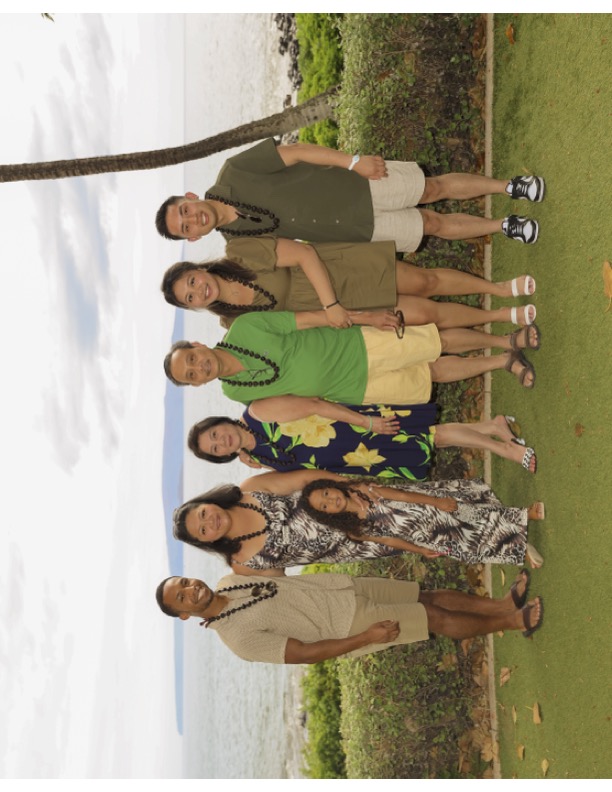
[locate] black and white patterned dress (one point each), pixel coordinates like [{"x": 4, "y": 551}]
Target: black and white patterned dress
[{"x": 481, "y": 530}]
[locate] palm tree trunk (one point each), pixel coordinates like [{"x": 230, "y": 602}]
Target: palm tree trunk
[{"x": 315, "y": 109}]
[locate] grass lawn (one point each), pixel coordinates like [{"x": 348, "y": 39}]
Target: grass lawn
[{"x": 552, "y": 116}]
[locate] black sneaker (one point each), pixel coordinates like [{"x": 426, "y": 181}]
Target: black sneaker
[
  {"x": 523, "y": 229},
  {"x": 529, "y": 188}
]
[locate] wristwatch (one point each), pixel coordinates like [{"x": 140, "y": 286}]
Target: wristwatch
[{"x": 354, "y": 161}]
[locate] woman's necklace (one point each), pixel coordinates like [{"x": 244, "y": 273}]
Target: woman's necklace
[
  {"x": 244, "y": 212},
  {"x": 259, "y": 592},
  {"x": 258, "y": 509},
  {"x": 249, "y": 307},
  {"x": 253, "y": 372},
  {"x": 268, "y": 441}
]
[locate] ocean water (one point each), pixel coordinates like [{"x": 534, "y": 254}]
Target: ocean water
[{"x": 240, "y": 720}]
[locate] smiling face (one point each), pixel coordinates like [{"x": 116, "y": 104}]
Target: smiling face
[
  {"x": 221, "y": 440},
  {"x": 191, "y": 218},
  {"x": 208, "y": 522},
  {"x": 329, "y": 500},
  {"x": 196, "y": 365},
  {"x": 187, "y": 596},
  {"x": 196, "y": 289}
]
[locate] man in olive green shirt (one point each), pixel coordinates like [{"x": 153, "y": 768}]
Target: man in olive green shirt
[{"x": 317, "y": 194}]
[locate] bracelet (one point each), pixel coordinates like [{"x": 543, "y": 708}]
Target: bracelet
[
  {"x": 331, "y": 305},
  {"x": 371, "y": 424},
  {"x": 354, "y": 161}
]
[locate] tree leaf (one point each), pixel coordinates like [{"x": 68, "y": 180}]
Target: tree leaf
[
  {"x": 537, "y": 716},
  {"x": 514, "y": 715},
  {"x": 510, "y": 33},
  {"x": 520, "y": 752},
  {"x": 504, "y": 676},
  {"x": 544, "y": 765},
  {"x": 502, "y": 575}
]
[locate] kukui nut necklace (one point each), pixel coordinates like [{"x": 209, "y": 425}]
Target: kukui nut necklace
[
  {"x": 259, "y": 592},
  {"x": 255, "y": 508},
  {"x": 243, "y": 210},
  {"x": 241, "y": 351},
  {"x": 268, "y": 441},
  {"x": 257, "y": 289}
]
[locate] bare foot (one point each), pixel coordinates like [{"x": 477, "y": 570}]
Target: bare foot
[
  {"x": 522, "y": 369},
  {"x": 531, "y": 617},
  {"x": 525, "y": 284},
  {"x": 503, "y": 430},
  {"x": 528, "y": 337},
  {"x": 536, "y": 511},
  {"x": 516, "y": 453}
]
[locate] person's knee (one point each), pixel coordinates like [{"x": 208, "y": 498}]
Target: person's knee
[
  {"x": 432, "y": 222},
  {"x": 433, "y": 190}
]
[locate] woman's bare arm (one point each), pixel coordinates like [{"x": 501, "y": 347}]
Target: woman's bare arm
[
  {"x": 286, "y": 483},
  {"x": 282, "y": 409}
]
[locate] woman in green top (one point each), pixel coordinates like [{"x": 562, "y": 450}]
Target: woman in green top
[
  {"x": 335, "y": 279},
  {"x": 264, "y": 356}
]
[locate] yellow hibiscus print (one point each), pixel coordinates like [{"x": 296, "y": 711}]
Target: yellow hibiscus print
[
  {"x": 316, "y": 432},
  {"x": 386, "y": 412},
  {"x": 363, "y": 457}
]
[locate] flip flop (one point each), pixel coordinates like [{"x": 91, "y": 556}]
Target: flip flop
[
  {"x": 516, "y": 291},
  {"x": 527, "y": 309},
  {"x": 530, "y": 342},
  {"x": 520, "y": 599},
  {"x": 533, "y": 557},
  {"x": 529, "y": 631},
  {"x": 527, "y": 457},
  {"x": 515, "y": 428}
]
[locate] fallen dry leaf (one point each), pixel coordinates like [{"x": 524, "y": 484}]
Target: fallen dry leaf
[
  {"x": 520, "y": 752},
  {"x": 578, "y": 430},
  {"x": 607, "y": 279},
  {"x": 502, "y": 575},
  {"x": 504, "y": 676},
  {"x": 537, "y": 716},
  {"x": 500, "y": 633},
  {"x": 544, "y": 766},
  {"x": 514, "y": 715},
  {"x": 448, "y": 661},
  {"x": 510, "y": 33},
  {"x": 465, "y": 645}
]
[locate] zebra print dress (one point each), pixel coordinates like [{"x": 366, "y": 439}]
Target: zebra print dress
[{"x": 481, "y": 530}]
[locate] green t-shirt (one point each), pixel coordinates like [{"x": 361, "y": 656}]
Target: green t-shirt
[
  {"x": 322, "y": 361},
  {"x": 312, "y": 202}
]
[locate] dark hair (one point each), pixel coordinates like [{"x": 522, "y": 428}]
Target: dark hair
[
  {"x": 224, "y": 496},
  {"x": 159, "y": 596},
  {"x": 224, "y": 268},
  {"x": 160, "y": 217},
  {"x": 347, "y": 522},
  {"x": 193, "y": 438},
  {"x": 168, "y": 360}
]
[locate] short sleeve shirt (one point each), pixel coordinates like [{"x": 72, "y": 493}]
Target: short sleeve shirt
[
  {"x": 322, "y": 361},
  {"x": 313, "y": 202}
]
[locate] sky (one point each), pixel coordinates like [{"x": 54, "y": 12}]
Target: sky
[{"x": 83, "y": 334}]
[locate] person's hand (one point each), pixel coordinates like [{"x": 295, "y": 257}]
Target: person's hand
[
  {"x": 338, "y": 317},
  {"x": 371, "y": 167},
  {"x": 248, "y": 460},
  {"x": 446, "y": 504},
  {"x": 359, "y": 501},
  {"x": 427, "y": 553},
  {"x": 382, "y": 320},
  {"x": 388, "y": 424},
  {"x": 383, "y": 632}
]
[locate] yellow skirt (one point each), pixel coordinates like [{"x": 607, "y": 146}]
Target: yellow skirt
[{"x": 398, "y": 368}]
